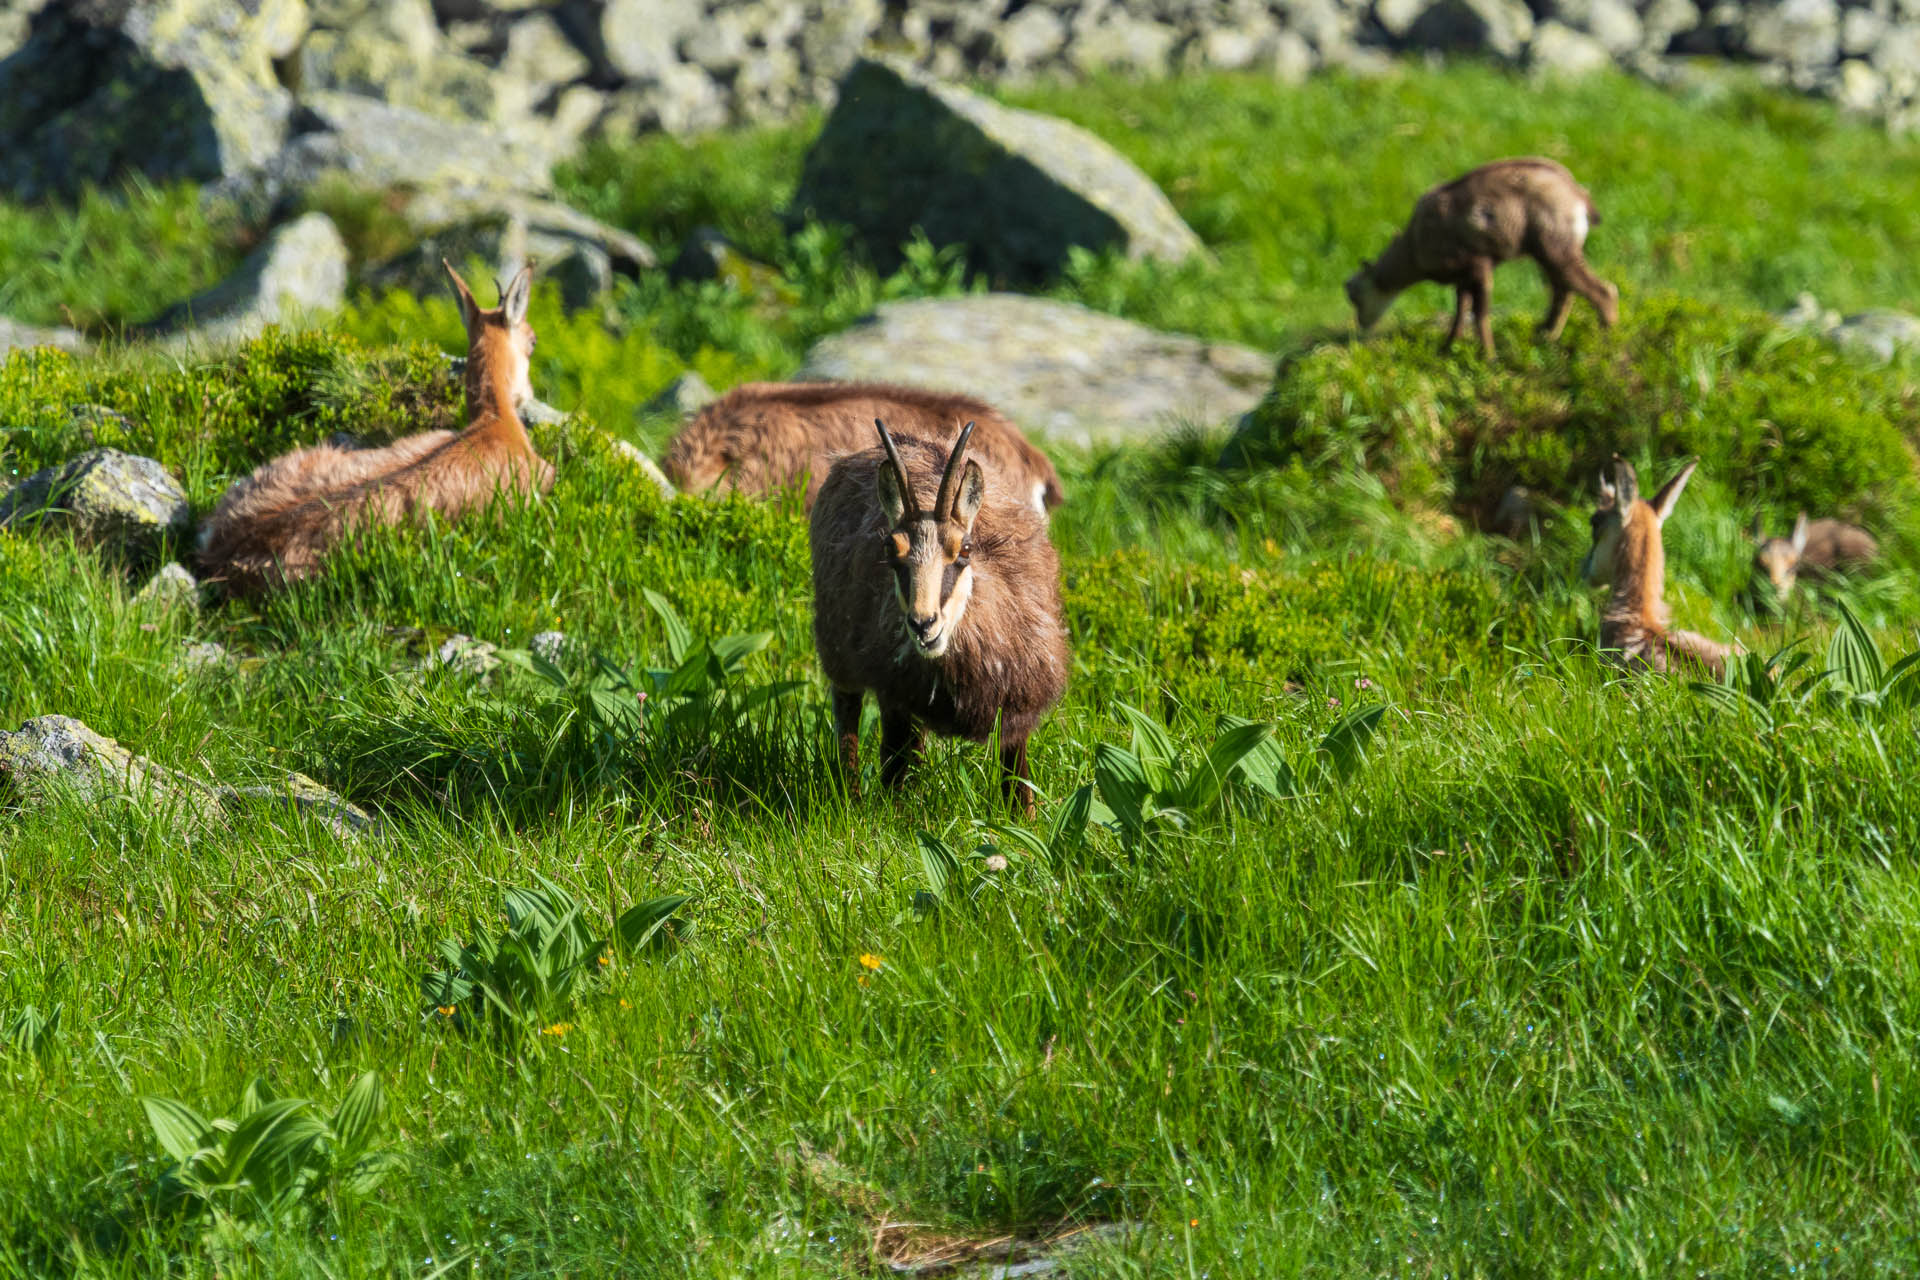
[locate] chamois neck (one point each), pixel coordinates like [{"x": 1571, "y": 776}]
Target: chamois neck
[
  {"x": 1639, "y": 575},
  {"x": 490, "y": 383},
  {"x": 1394, "y": 270}
]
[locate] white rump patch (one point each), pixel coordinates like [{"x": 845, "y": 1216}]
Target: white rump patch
[{"x": 1580, "y": 224}]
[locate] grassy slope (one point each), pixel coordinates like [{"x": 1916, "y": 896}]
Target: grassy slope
[{"x": 1572, "y": 975}]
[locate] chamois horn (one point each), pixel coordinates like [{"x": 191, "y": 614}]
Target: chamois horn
[
  {"x": 943, "y": 505},
  {"x": 899, "y": 471}
]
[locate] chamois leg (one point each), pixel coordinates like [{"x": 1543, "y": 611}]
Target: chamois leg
[
  {"x": 1602, "y": 294},
  {"x": 1016, "y": 783},
  {"x": 899, "y": 744},
  {"x": 1481, "y": 294},
  {"x": 1459, "y": 318},
  {"x": 846, "y": 727},
  {"x": 1556, "y": 317}
]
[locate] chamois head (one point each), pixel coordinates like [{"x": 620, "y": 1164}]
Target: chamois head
[
  {"x": 1369, "y": 300},
  {"x": 1626, "y": 529},
  {"x": 498, "y": 334},
  {"x": 930, "y": 550},
  {"x": 1779, "y": 558}
]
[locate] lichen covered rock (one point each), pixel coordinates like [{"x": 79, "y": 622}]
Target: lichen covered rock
[
  {"x": 104, "y": 498},
  {"x": 300, "y": 272},
  {"x": 50, "y": 753}
]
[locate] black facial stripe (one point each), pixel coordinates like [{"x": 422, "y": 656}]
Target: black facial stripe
[{"x": 948, "y": 578}]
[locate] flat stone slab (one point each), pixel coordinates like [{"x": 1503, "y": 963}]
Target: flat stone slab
[{"x": 1061, "y": 371}]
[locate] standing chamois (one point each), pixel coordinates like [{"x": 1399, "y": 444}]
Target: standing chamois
[
  {"x": 765, "y": 436},
  {"x": 278, "y": 525},
  {"x": 1627, "y": 553},
  {"x": 949, "y": 613},
  {"x": 1819, "y": 549},
  {"x": 1461, "y": 230}
]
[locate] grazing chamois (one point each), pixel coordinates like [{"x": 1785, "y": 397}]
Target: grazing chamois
[
  {"x": 950, "y": 612},
  {"x": 1461, "y": 230},
  {"x": 1627, "y": 553},
  {"x": 278, "y": 525},
  {"x": 1819, "y": 549},
  {"x": 765, "y": 436}
]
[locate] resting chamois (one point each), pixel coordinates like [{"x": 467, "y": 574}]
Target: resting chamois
[
  {"x": 950, "y": 613},
  {"x": 1628, "y": 554},
  {"x": 279, "y": 524},
  {"x": 1461, "y": 230},
  {"x": 765, "y": 436},
  {"x": 1819, "y": 549}
]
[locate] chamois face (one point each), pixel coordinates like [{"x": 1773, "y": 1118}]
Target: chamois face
[
  {"x": 1622, "y": 524},
  {"x": 1778, "y": 559},
  {"x": 930, "y": 551},
  {"x": 501, "y": 333},
  {"x": 1369, "y": 300}
]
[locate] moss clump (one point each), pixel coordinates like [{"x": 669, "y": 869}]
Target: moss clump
[{"x": 1780, "y": 420}]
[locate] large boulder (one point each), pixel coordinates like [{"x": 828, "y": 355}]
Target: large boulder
[
  {"x": 903, "y": 151},
  {"x": 48, "y": 754},
  {"x": 301, "y": 271},
  {"x": 505, "y": 230},
  {"x": 172, "y": 89},
  {"x": 106, "y": 498},
  {"x": 393, "y": 50},
  {"x": 14, "y": 335},
  {"x": 1059, "y": 370}
]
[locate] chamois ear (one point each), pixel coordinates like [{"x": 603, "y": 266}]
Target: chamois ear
[
  {"x": 514, "y": 299},
  {"x": 469, "y": 308},
  {"x": 893, "y": 504},
  {"x": 1669, "y": 494},
  {"x": 973, "y": 492},
  {"x": 1626, "y": 484},
  {"x": 1800, "y": 533},
  {"x": 1608, "y": 495}
]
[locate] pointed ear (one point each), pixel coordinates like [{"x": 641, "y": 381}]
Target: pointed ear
[
  {"x": 469, "y": 309},
  {"x": 1670, "y": 491},
  {"x": 973, "y": 492},
  {"x": 1800, "y": 533},
  {"x": 893, "y": 503},
  {"x": 1626, "y": 484},
  {"x": 519, "y": 291},
  {"x": 1609, "y": 496}
]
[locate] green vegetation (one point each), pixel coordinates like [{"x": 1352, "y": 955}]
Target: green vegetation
[{"x": 1369, "y": 925}]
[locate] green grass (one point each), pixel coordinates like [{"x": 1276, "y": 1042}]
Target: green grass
[{"x": 1573, "y": 974}]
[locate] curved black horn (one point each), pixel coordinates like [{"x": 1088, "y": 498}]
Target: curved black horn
[
  {"x": 943, "y": 506},
  {"x": 899, "y": 471}
]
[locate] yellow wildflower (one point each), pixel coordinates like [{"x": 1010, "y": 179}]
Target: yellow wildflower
[
  {"x": 445, "y": 1010},
  {"x": 870, "y": 961},
  {"x": 557, "y": 1029}
]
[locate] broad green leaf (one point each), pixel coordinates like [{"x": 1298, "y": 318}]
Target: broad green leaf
[
  {"x": 1852, "y": 656},
  {"x": 1123, "y": 784},
  {"x": 639, "y": 925},
  {"x": 679, "y": 639},
  {"x": 1210, "y": 775},
  {"x": 1027, "y": 842},
  {"x": 733, "y": 650},
  {"x": 1153, "y": 747},
  {"x": 1070, "y": 820},
  {"x": 1345, "y": 745},
  {"x": 368, "y": 1172},
  {"x": 358, "y": 1114},
  {"x": 938, "y": 861},
  {"x": 266, "y": 1146},
  {"x": 177, "y": 1127},
  {"x": 1728, "y": 698}
]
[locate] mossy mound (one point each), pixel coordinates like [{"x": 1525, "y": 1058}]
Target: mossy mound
[{"x": 1779, "y": 420}]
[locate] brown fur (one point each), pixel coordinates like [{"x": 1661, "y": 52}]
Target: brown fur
[
  {"x": 767, "y": 436},
  {"x": 278, "y": 525},
  {"x": 1628, "y": 553},
  {"x": 1006, "y": 662},
  {"x": 1817, "y": 549},
  {"x": 1461, "y": 230}
]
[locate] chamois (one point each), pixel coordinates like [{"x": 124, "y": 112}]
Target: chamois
[
  {"x": 764, "y": 436},
  {"x": 1627, "y": 553},
  {"x": 1818, "y": 549},
  {"x": 949, "y": 613},
  {"x": 278, "y": 525},
  {"x": 1461, "y": 230}
]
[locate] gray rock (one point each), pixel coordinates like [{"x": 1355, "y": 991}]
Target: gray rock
[
  {"x": 1662, "y": 20},
  {"x": 1118, "y": 40},
  {"x": 1061, "y": 371},
  {"x": 1612, "y": 23},
  {"x": 1559, "y": 50},
  {"x": 17, "y": 336},
  {"x": 539, "y": 59},
  {"x": 680, "y": 100},
  {"x": 105, "y": 498},
  {"x": 49, "y": 754},
  {"x": 641, "y": 36},
  {"x": 301, "y": 271},
  {"x": 1861, "y": 31},
  {"x": 206, "y": 655},
  {"x": 298, "y": 792},
  {"x": 1030, "y": 38},
  {"x": 464, "y": 655},
  {"x": 16, "y": 17},
  {"x": 538, "y": 413},
  {"x": 392, "y": 51},
  {"x": 171, "y": 89},
  {"x": 506, "y": 230},
  {"x": 171, "y": 588},
  {"x": 1499, "y": 27},
  {"x": 686, "y": 394},
  {"x": 1239, "y": 46},
  {"x": 1019, "y": 190},
  {"x": 1897, "y": 58},
  {"x": 719, "y": 44},
  {"x": 630, "y": 452},
  {"x": 551, "y": 646},
  {"x": 1882, "y": 334},
  {"x": 1797, "y": 33},
  {"x": 1859, "y": 87}
]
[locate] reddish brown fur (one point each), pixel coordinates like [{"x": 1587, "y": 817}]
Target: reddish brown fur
[
  {"x": 1816, "y": 549},
  {"x": 278, "y": 525},
  {"x": 1461, "y": 230},
  {"x": 1006, "y": 663},
  {"x": 1628, "y": 553},
  {"x": 767, "y": 436}
]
